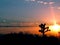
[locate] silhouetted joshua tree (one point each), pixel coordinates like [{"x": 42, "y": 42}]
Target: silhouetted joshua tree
[{"x": 44, "y": 29}]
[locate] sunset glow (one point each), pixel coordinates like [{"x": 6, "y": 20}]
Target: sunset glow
[
  {"x": 55, "y": 28},
  {"x": 27, "y": 15}
]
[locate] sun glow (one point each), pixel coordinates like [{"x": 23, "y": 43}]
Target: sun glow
[{"x": 54, "y": 28}]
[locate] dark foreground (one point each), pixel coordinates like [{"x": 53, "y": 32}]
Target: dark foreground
[{"x": 28, "y": 39}]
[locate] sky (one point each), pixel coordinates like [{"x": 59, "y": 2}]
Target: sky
[{"x": 30, "y": 10}]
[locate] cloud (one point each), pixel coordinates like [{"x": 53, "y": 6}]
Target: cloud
[
  {"x": 29, "y": 0},
  {"x": 32, "y": 0},
  {"x": 40, "y": 2},
  {"x": 51, "y": 3},
  {"x": 45, "y": 3}
]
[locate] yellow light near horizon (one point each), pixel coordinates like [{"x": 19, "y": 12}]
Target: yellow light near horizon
[{"x": 55, "y": 28}]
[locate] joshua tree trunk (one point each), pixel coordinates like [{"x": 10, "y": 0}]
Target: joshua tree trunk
[{"x": 43, "y": 33}]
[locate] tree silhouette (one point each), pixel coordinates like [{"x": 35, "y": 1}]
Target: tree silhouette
[{"x": 44, "y": 29}]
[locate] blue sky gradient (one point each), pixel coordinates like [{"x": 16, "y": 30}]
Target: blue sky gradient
[{"x": 28, "y": 10}]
